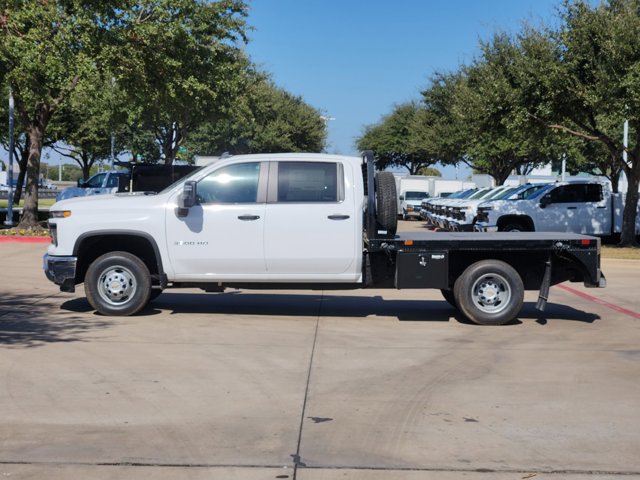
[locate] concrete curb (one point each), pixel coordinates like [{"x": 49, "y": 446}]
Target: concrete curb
[{"x": 18, "y": 239}]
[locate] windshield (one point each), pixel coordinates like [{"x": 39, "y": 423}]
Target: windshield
[
  {"x": 479, "y": 194},
  {"x": 530, "y": 192},
  {"x": 504, "y": 193},
  {"x": 538, "y": 193},
  {"x": 465, "y": 193},
  {"x": 416, "y": 195},
  {"x": 95, "y": 181}
]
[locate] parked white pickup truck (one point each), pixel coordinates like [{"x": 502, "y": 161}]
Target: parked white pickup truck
[
  {"x": 586, "y": 207},
  {"x": 463, "y": 216},
  {"x": 295, "y": 221}
]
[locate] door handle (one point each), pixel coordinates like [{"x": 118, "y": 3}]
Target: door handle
[
  {"x": 249, "y": 217},
  {"x": 338, "y": 217},
  {"x": 571, "y": 208}
]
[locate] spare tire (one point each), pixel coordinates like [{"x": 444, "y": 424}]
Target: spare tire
[{"x": 386, "y": 202}]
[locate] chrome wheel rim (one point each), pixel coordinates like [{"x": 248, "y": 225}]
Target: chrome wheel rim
[
  {"x": 491, "y": 293},
  {"x": 116, "y": 285}
]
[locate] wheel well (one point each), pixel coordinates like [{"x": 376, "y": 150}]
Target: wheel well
[
  {"x": 523, "y": 220},
  {"x": 530, "y": 267},
  {"x": 89, "y": 248}
]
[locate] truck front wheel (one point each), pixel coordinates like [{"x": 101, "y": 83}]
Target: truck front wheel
[
  {"x": 514, "y": 227},
  {"x": 489, "y": 292},
  {"x": 118, "y": 284}
]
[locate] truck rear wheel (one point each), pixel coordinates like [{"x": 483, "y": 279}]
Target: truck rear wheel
[
  {"x": 118, "y": 284},
  {"x": 489, "y": 292},
  {"x": 386, "y": 202}
]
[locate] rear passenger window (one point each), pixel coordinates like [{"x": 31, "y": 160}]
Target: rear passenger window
[
  {"x": 112, "y": 181},
  {"x": 309, "y": 182},
  {"x": 593, "y": 193},
  {"x": 579, "y": 193}
]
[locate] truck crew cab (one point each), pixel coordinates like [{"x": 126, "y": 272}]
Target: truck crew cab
[{"x": 308, "y": 221}]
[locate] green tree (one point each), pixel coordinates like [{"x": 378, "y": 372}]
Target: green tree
[
  {"x": 84, "y": 125},
  {"x": 430, "y": 172},
  {"x": 501, "y": 137},
  {"x": 45, "y": 49},
  {"x": 183, "y": 67},
  {"x": 396, "y": 142},
  {"x": 439, "y": 128},
  {"x": 48, "y": 48},
  {"x": 585, "y": 81},
  {"x": 265, "y": 119}
]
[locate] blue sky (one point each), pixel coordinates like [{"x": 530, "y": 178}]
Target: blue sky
[{"x": 355, "y": 59}]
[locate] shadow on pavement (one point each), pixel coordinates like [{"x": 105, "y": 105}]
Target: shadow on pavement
[
  {"x": 27, "y": 322},
  {"x": 327, "y": 305}
]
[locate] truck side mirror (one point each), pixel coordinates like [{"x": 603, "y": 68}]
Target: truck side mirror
[
  {"x": 401, "y": 198},
  {"x": 81, "y": 182},
  {"x": 545, "y": 200},
  {"x": 187, "y": 198}
]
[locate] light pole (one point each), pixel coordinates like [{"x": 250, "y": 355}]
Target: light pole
[
  {"x": 113, "y": 135},
  {"x": 326, "y": 119},
  {"x": 625, "y": 140},
  {"x": 9, "y": 220}
]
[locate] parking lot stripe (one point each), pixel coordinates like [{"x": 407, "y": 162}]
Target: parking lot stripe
[{"x": 599, "y": 301}]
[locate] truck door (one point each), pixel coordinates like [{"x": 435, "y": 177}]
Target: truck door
[
  {"x": 312, "y": 227},
  {"x": 222, "y": 235},
  {"x": 577, "y": 208}
]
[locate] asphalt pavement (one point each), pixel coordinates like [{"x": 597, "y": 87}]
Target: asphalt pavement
[{"x": 378, "y": 384}]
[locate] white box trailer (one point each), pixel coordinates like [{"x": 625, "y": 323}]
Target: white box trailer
[
  {"x": 442, "y": 186},
  {"x": 412, "y": 190},
  {"x": 410, "y": 187}
]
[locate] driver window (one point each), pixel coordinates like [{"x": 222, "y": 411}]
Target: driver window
[
  {"x": 96, "y": 181},
  {"x": 232, "y": 184}
]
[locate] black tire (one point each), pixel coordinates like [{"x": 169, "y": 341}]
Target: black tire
[
  {"x": 118, "y": 284},
  {"x": 386, "y": 202},
  {"x": 489, "y": 292},
  {"x": 449, "y": 297}
]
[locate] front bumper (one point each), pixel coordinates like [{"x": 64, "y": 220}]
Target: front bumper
[
  {"x": 61, "y": 271},
  {"x": 411, "y": 213}
]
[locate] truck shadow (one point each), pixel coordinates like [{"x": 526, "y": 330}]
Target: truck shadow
[{"x": 327, "y": 305}]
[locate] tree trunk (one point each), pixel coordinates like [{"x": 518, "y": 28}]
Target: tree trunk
[
  {"x": 167, "y": 144},
  {"x": 615, "y": 183},
  {"x": 85, "y": 163},
  {"x": 29, "y": 219},
  {"x": 630, "y": 212}
]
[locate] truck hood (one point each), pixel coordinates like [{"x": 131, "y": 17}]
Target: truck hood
[{"x": 119, "y": 201}]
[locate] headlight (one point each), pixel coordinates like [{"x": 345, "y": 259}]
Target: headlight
[{"x": 59, "y": 213}]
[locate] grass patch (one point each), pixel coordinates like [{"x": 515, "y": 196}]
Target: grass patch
[
  {"x": 625, "y": 253},
  {"x": 42, "y": 202},
  {"x": 40, "y": 231}
]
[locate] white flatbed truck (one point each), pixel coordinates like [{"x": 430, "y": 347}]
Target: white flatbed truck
[{"x": 296, "y": 221}]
